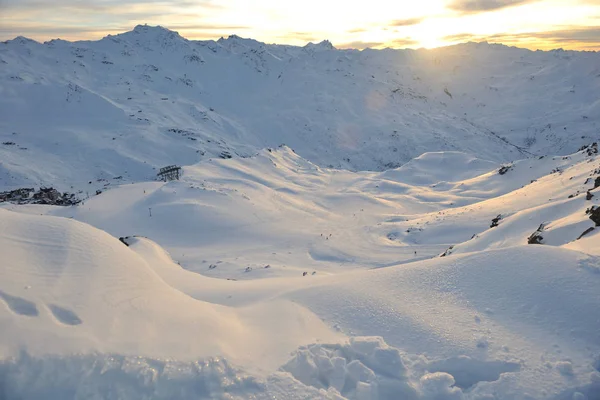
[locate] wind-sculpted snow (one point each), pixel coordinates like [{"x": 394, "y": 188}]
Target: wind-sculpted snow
[
  {"x": 118, "y": 377},
  {"x": 67, "y": 288},
  {"x": 365, "y": 368},
  {"x": 310, "y": 283}
]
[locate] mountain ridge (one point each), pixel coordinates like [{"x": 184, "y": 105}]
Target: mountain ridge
[
  {"x": 144, "y": 28},
  {"x": 181, "y": 101}
]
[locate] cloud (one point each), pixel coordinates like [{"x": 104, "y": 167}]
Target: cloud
[
  {"x": 54, "y": 30},
  {"x": 205, "y": 27},
  {"x": 574, "y": 37},
  {"x": 357, "y": 30},
  {"x": 392, "y": 24},
  {"x": 92, "y": 19},
  {"x": 462, "y": 37},
  {"x": 580, "y": 35},
  {"x": 404, "y": 42},
  {"x": 298, "y": 37},
  {"x": 61, "y": 11},
  {"x": 477, "y": 6},
  {"x": 302, "y": 35},
  {"x": 396, "y": 43},
  {"x": 359, "y": 45},
  {"x": 96, "y": 5},
  {"x": 406, "y": 22}
]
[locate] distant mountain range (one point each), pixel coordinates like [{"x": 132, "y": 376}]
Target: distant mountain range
[{"x": 126, "y": 105}]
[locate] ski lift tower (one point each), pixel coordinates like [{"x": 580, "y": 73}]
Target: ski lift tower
[{"x": 169, "y": 173}]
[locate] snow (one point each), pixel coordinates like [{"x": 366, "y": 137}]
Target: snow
[
  {"x": 61, "y": 274},
  {"x": 144, "y": 99},
  {"x": 306, "y": 270}
]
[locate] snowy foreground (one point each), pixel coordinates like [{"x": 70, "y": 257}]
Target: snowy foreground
[
  {"x": 379, "y": 315},
  {"x": 397, "y": 252}
]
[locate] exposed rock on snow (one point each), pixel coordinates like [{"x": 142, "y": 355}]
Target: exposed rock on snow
[
  {"x": 594, "y": 213},
  {"x": 495, "y": 221},
  {"x": 536, "y": 237},
  {"x": 46, "y": 196},
  {"x": 590, "y": 149},
  {"x": 504, "y": 169}
]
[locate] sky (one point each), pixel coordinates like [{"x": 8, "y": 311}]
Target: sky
[{"x": 534, "y": 24}]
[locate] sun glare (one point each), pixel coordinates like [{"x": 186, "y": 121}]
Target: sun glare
[{"x": 379, "y": 24}]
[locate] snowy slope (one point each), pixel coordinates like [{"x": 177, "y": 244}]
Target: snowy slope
[
  {"x": 68, "y": 287},
  {"x": 411, "y": 240},
  {"x": 494, "y": 318},
  {"x": 144, "y": 99}
]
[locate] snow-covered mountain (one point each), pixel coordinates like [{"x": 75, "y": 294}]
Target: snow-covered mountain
[
  {"x": 147, "y": 98},
  {"x": 430, "y": 230}
]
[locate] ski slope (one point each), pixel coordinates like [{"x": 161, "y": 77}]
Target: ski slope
[
  {"x": 428, "y": 231},
  {"x": 378, "y": 313}
]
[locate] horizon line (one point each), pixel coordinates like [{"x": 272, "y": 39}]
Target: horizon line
[{"x": 341, "y": 46}]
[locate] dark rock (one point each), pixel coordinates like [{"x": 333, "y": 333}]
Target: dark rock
[
  {"x": 48, "y": 196},
  {"x": 495, "y": 221},
  {"x": 447, "y": 252},
  {"x": 504, "y": 169},
  {"x": 594, "y": 213},
  {"x": 590, "y": 149},
  {"x": 585, "y": 232},
  {"x": 589, "y": 195},
  {"x": 17, "y": 195},
  {"x": 536, "y": 237}
]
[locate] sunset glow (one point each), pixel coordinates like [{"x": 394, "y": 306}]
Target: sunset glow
[{"x": 541, "y": 24}]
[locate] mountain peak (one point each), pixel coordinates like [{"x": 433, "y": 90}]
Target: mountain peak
[
  {"x": 327, "y": 44},
  {"x": 20, "y": 40},
  {"x": 238, "y": 39},
  {"x": 150, "y": 32},
  {"x": 234, "y": 42},
  {"x": 151, "y": 29},
  {"x": 321, "y": 46}
]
